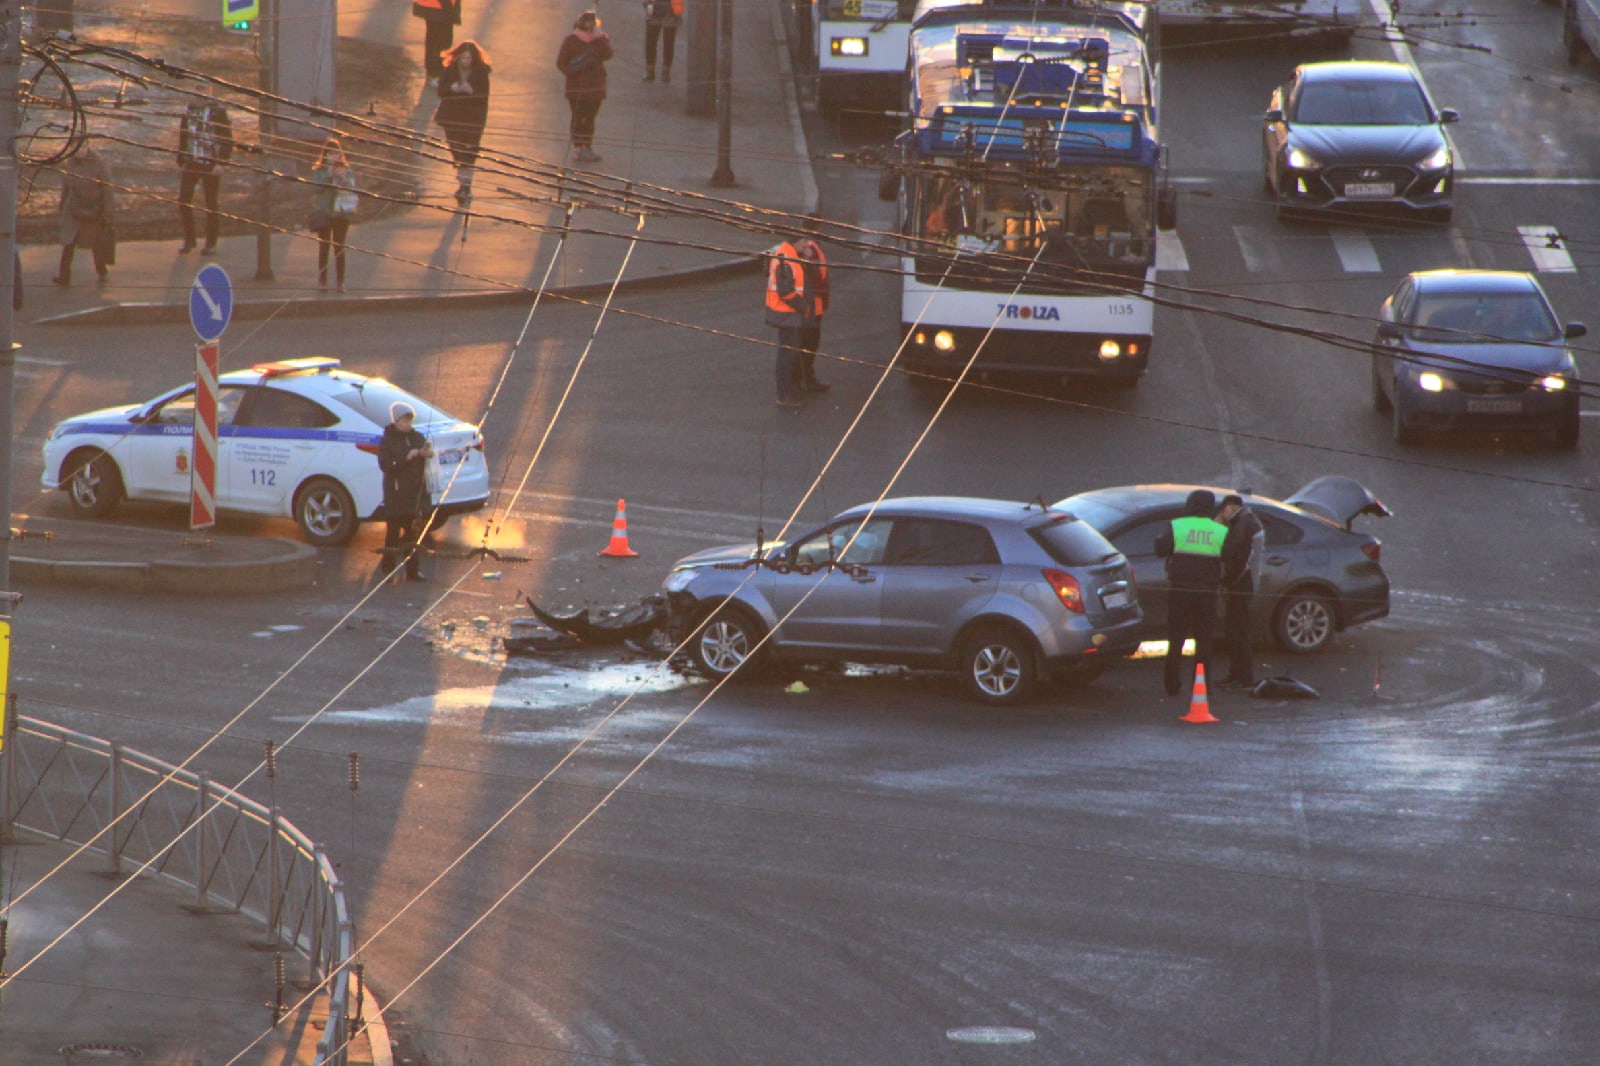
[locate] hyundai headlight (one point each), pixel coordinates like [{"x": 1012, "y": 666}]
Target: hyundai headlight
[
  {"x": 1553, "y": 383},
  {"x": 1300, "y": 159},
  {"x": 1428, "y": 381},
  {"x": 1438, "y": 159}
]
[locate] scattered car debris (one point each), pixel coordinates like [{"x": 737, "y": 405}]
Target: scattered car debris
[
  {"x": 608, "y": 626},
  {"x": 1284, "y": 687}
]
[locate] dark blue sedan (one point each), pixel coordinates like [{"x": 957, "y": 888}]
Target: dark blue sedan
[{"x": 1475, "y": 349}]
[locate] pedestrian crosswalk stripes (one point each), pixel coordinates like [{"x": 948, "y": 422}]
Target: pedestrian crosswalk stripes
[{"x": 1265, "y": 251}]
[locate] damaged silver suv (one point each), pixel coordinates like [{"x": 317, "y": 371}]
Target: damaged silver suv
[{"x": 1005, "y": 593}]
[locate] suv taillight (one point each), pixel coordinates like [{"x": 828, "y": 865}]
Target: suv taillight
[
  {"x": 1372, "y": 549},
  {"x": 1066, "y": 588}
]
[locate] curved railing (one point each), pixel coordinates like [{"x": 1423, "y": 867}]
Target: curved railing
[{"x": 150, "y": 817}]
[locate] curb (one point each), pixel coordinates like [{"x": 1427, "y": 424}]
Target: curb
[
  {"x": 295, "y": 568},
  {"x": 130, "y": 314}
]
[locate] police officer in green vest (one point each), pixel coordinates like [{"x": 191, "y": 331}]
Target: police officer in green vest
[{"x": 1192, "y": 548}]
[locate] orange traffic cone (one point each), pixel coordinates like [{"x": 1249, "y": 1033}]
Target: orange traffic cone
[
  {"x": 1199, "y": 705},
  {"x": 619, "y": 535}
]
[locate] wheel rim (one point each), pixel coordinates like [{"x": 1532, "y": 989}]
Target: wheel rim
[
  {"x": 724, "y": 646},
  {"x": 86, "y": 486},
  {"x": 322, "y": 513},
  {"x": 1307, "y": 623},
  {"x": 996, "y": 670}
]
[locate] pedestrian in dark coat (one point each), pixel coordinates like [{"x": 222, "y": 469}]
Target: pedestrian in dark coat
[
  {"x": 85, "y": 212},
  {"x": 403, "y": 455},
  {"x": 440, "y": 17},
  {"x": 205, "y": 143},
  {"x": 464, "y": 109},
  {"x": 1192, "y": 547},
  {"x": 1242, "y": 551},
  {"x": 582, "y": 59}
]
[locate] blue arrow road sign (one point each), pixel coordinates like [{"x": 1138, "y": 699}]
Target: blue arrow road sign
[{"x": 210, "y": 302}]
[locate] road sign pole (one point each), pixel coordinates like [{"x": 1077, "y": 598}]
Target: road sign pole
[{"x": 203, "y": 468}]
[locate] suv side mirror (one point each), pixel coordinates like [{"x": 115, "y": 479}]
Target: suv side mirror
[
  {"x": 1449, "y": 114},
  {"x": 1575, "y": 330},
  {"x": 1389, "y": 331},
  {"x": 1274, "y": 114}
]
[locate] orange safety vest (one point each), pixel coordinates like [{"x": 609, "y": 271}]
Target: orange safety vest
[
  {"x": 818, "y": 263},
  {"x": 786, "y": 311}
]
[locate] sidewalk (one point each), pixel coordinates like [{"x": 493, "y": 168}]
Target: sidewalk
[
  {"x": 144, "y": 977},
  {"x": 430, "y": 253},
  {"x": 147, "y": 978}
]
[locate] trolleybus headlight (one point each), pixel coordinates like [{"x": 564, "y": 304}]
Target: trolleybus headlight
[
  {"x": 1109, "y": 350},
  {"x": 945, "y": 341},
  {"x": 849, "y": 46}
]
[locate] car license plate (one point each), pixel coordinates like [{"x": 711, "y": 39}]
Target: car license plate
[
  {"x": 1113, "y": 600},
  {"x": 1511, "y": 406},
  {"x": 452, "y": 457},
  {"x": 1373, "y": 189}
]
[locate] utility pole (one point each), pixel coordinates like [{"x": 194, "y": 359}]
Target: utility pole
[
  {"x": 722, "y": 178},
  {"x": 10, "y": 75},
  {"x": 267, "y": 138}
]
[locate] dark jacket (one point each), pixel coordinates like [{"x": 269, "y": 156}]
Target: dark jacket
[
  {"x": 463, "y": 114},
  {"x": 205, "y": 136},
  {"x": 1186, "y": 569},
  {"x": 405, "y": 481},
  {"x": 1238, "y": 548},
  {"x": 588, "y": 83}
]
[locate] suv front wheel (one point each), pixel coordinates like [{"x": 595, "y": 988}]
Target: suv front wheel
[
  {"x": 725, "y": 641},
  {"x": 998, "y": 666}
]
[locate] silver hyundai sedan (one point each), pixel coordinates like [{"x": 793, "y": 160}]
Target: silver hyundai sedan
[{"x": 1006, "y": 593}]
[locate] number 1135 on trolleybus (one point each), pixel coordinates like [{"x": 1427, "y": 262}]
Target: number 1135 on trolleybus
[{"x": 1031, "y": 183}]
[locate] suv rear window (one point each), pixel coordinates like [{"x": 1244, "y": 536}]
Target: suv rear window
[{"x": 1070, "y": 541}]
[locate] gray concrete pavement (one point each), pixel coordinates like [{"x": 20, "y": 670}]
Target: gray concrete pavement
[{"x": 145, "y": 973}]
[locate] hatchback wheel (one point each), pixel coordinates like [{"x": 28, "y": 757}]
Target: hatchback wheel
[
  {"x": 94, "y": 486},
  {"x": 726, "y": 641},
  {"x": 325, "y": 512},
  {"x": 1303, "y": 622},
  {"x": 998, "y": 667}
]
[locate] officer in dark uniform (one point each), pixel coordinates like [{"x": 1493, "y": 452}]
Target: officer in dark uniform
[
  {"x": 1241, "y": 558},
  {"x": 1192, "y": 548},
  {"x": 403, "y": 455}
]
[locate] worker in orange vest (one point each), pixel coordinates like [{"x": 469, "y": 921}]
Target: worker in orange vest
[
  {"x": 816, "y": 269},
  {"x": 787, "y": 310}
]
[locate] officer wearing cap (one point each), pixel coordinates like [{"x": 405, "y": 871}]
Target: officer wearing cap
[
  {"x": 1192, "y": 547},
  {"x": 403, "y": 455}
]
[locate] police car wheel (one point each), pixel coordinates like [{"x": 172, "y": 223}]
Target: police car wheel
[
  {"x": 325, "y": 512},
  {"x": 95, "y": 485},
  {"x": 1303, "y": 622},
  {"x": 998, "y": 666}
]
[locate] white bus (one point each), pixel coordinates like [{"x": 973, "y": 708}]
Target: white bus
[{"x": 1031, "y": 182}]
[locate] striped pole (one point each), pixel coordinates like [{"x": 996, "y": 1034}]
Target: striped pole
[{"x": 203, "y": 468}]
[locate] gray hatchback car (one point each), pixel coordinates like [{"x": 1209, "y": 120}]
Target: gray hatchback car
[{"x": 1006, "y": 593}]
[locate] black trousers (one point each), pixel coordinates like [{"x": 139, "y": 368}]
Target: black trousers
[
  {"x": 1236, "y": 630},
  {"x": 668, "y": 36},
  {"x": 810, "y": 340},
  {"x": 400, "y": 533},
  {"x": 209, "y": 181},
  {"x": 334, "y": 235},
  {"x": 584, "y": 111},
  {"x": 436, "y": 40},
  {"x": 1191, "y": 613}
]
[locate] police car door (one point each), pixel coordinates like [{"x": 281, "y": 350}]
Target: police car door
[
  {"x": 272, "y": 446},
  {"x": 161, "y": 450}
]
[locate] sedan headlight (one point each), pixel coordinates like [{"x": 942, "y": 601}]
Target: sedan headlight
[
  {"x": 1438, "y": 159},
  {"x": 1300, "y": 159},
  {"x": 1428, "y": 381},
  {"x": 678, "y": 580},
  {"x": 1553, "y": 383}
]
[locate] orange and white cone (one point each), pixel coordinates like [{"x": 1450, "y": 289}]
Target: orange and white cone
[
  {"x": 619, "y": 536},
  {"x": 1199, "y": 703}
]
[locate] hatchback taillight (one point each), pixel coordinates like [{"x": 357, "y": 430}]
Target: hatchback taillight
[
  {"x": 1372, "y": 549},
  {"x": 1066, "y": 588}
]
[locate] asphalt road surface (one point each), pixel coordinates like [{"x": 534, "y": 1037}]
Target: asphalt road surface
[{"x": 877, "y": 871}]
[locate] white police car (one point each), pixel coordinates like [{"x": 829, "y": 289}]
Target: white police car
[{"x": 297, "y": 438}]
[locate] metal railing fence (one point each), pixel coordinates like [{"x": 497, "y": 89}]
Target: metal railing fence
[{"x": 231, "y": 853}]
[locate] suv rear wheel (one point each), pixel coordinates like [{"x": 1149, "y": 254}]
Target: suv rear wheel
[{"x": 998, "y": 666}]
